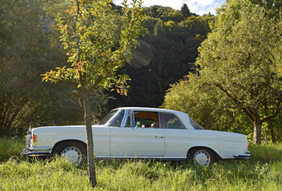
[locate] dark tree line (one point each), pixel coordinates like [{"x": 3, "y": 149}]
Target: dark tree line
[{"x": 174, "y": 41}]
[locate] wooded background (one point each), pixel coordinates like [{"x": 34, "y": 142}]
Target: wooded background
[{"x": 30, "y": 46}]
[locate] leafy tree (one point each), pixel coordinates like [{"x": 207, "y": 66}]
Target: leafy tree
[
  {"x": 239, "y": 74},
  {"x": 174, "y": 46},
  {"x": 185, "y": 12},
  {"x": 211, "y": 111},
  {"x": 152, "y": 11},
  {"x": 239, "y": 59},
  {"x": 29, "y": 46},
  {"x": 15, "y": 75},
  {"x": 163, "y": 13},
  {"x": 23, "y": 59},
  {"x": 268, "y": 4},
  {"x": 97, "y": 45},
  {"x": 174, "y": 43},
  {"x": 25, "y": 52}
]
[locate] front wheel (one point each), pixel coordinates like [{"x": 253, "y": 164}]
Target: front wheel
[
  {"x": 201, "y": 156},
  {"x": 74, "y": 152}
]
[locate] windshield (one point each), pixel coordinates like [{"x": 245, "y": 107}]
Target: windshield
[
  {"x": 195, "y": 125},
  {"x": 113, "y": 118}
]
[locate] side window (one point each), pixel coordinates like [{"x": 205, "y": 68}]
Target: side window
[
  {"x": 170, "y": 121},
  {"x": 145, "y": 119},
  {"x": 108, "y": 117}
]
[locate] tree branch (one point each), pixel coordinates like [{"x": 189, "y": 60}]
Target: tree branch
[
  {"x": 246, "y": 110},
  {"x": 277, "y": 110}
]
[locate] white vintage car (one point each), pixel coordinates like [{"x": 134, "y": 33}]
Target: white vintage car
[{"x": 136, "y": 132}]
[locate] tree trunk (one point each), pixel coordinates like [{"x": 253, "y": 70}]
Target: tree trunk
[
  {"x": 272, "y": 135},
  {"x": 257, "y": 131},
  {"x": 89, "y": 133},
  {"x": 265, "y": 135}
]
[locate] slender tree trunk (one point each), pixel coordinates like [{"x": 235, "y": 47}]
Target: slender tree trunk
[
  {"x": 265, "y": 135},
  {"x": 89, "y": 133},
  {"x": 257, "y": 131},
  {"x": 272, "y": 136}
]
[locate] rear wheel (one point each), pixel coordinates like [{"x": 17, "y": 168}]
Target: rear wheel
[
  {"x": 74, "y": 152},
  {"x": 202, "y": 156}
]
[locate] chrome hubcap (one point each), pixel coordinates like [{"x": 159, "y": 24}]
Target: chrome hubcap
[
  {"x": 202, "y": 158},
  {"x": 72, "y": 154}
]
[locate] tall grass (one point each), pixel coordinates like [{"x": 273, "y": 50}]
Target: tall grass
[
  {"x": 10, "y": 147},
  {"x": 262, "y": 172},
  {"x": 266, "y": 152}
]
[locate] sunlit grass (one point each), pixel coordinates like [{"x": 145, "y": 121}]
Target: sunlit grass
[
  {"x": 262, "y": 172},
  {"x": 266, "y": 152}
]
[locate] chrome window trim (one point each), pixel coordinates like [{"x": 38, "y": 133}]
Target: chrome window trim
[{"x": 124, "y": 119}]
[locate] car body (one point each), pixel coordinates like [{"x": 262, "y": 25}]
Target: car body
[{"x": 138, "y": 132}]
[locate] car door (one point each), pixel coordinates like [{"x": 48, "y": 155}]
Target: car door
[
  {"x": 137, "y": 140},
  {"x": 101, "y": 138},
  {"x": 177, "y": 137}
]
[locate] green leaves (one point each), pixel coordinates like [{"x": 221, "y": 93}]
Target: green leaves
[
  {"x": 98, "y": 41},
  {"x": 238, "y": 66},
  {"x": 238, "y": 58},
  {"x": 60, "y": 74}
]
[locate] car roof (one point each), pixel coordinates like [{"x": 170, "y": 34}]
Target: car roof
[{"x": 150, "y": 109}]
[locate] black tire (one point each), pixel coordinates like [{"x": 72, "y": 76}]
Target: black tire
[
  {"x": 202, "y": 157},
  {"x": 74, "y": 152}
]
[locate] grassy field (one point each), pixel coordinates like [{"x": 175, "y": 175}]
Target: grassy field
[
  {"x": 10, "y": 147},
  {"x": 262, "y": 172}
]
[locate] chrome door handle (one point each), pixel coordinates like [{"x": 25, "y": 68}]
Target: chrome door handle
[{"x": 159, "y": 136}]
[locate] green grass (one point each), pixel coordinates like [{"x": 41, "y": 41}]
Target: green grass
[
  {"x": 262, "y": 172},
  {"x": 10, "y": 147},
  {"x": 266, "y": 152}
]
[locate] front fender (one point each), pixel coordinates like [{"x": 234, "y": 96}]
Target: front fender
[{"x": 219, "y": 153}]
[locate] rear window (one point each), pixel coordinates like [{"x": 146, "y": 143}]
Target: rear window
[{"x": 170, "y": 121}]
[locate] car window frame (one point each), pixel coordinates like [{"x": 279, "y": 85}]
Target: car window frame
[
  {"x": 116, "y": 113},
  {"x": 129, "y": 114},
  {"x": 133, "y": 122}
]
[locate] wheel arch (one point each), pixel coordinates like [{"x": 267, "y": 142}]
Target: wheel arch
[
  {"x": 67, "y": 140},
  {"x": 217, "y": 156}
]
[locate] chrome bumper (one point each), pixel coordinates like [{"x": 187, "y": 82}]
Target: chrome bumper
[
  {"x": 243, "y": 156},
  {"x": 37, "y": 152}
]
